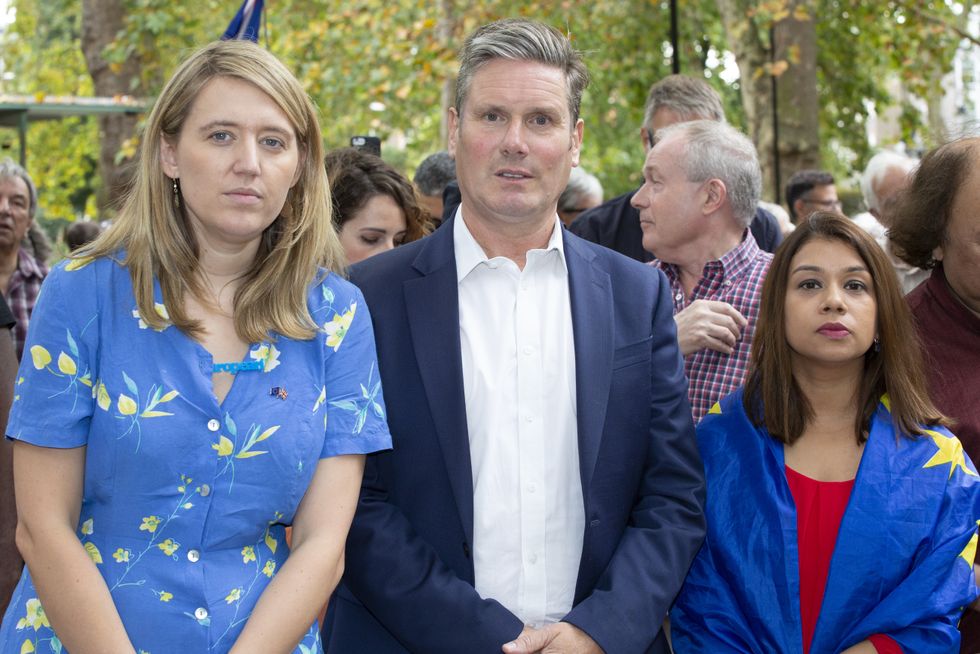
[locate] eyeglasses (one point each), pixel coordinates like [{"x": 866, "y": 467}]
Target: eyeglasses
[{"x": 826, "y": 204}]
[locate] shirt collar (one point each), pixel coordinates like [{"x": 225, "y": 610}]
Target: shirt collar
[
  {"x": 28, "y": 266},
  {"x": 469, "y": 254},
  {"x": 731, "y": 265}
]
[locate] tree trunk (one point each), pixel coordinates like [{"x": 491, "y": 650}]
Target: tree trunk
[
  {"x": 793, "y": 67},
  {"x": 102, "y": 20},
  {"x": 750, "y": 46},
  {"x": 448, "y": 25},
  {"x": 796, "y": 90}
]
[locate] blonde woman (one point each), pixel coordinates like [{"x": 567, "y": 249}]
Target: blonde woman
[{"x": 194, "y": 382}]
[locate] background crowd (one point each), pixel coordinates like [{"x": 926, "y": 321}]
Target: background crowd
[{"x": 545, "y": 356}]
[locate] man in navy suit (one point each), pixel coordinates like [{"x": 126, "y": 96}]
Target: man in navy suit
[{"x": 545, "y": 491}]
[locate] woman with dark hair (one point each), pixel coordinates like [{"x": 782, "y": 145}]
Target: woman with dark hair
[
  {"x": 374, "y": 207},
  {"x": 841, "y": 512}
]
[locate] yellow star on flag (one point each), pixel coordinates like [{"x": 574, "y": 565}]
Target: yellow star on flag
[
  {"x": 969, "y": 552},
  {"x": 950, "y": 451}
]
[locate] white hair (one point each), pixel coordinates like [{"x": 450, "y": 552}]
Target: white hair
[{"x": 875, "y": 171}]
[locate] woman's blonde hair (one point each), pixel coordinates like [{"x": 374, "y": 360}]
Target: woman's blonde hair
[{"x": 158, "y": 241}]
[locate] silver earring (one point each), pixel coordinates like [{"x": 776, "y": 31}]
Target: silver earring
[
  {"x": 876, "y": 345},
  {"x": 176, "y": 193}
]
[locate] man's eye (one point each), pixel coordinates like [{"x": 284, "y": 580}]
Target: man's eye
[
  {"x": 221, "y": 137},
  {"x": 541, "y": 121},
  {"x": 491, "y": 117}
]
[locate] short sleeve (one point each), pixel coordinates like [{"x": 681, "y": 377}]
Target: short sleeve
[
  {"x": 356, "y": 420},
  {"x": 53, "y": 395}
]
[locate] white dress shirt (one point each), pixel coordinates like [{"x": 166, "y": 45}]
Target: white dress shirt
[{"x": 518, "y": 361}]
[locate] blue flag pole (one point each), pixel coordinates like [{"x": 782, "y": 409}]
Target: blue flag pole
[{"x": 245, "y": 24}]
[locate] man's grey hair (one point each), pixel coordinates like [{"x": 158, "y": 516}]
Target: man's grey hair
[
  {"x": 580, "y": 185},
  {"x": 9, "y": 169},
  {"x": 434, "y": 173},
  {"x": 716, "y": 150},
  {"x": 519, "y": 39},
  {"x": 875, "y": 172},
  {"x": 689, "y": 97}
]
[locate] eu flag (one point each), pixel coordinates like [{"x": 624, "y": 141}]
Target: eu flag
[
  {"x": 902, "y": 565},
  {"x": 245, "y": 24}
]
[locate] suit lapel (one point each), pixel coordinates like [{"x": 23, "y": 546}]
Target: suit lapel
[
  {"x": 432, "y": 304},
  {"x": 590, "y": 296}
]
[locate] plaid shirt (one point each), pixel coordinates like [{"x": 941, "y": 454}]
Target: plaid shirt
[
  {"x": 737, "y": 279},
  {"x": 22, "y": 290}
]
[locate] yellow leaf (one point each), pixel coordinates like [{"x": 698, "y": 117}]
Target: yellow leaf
[
  {"x": 66, "y": 364},
  {"x": 102, "y": 396},
  {"x": 93, "y": 552},
  {"x": 270, "y": 542},
  {"x": 249, "y": 455},
  {"x": 87, "y": 527},
  {"x": 154, "y": 414},
  {"x": 40, "y": 356},
  {"x": 169, "y": 396},
  {"x": 224, "y": 446},
  {"x": 126, "y": 405},
  {"x": 28, "y": 646},
  {"x": 81, "y": 262},
  {"x": 268, "y": 432},
  {"x": 87, "y": 380}
]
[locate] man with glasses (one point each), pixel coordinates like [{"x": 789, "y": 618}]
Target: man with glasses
[{"x": 808, "y": 191}]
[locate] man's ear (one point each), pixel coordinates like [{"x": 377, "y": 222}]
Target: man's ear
[
  {"x": 168, "y": 158},
  {"x": 797, "y": 209},
  {"x": 577, "y": 135},
  {"x": 715, "y": 195},
  {"x": 453, "y": 129}
]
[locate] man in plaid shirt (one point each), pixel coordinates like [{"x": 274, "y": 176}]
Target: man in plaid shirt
[
  {"x": 20, "y": 273},
  {"x": 702, "y": 183}
]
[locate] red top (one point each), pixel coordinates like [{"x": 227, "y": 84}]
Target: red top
[{"x": 820, "y": 508}]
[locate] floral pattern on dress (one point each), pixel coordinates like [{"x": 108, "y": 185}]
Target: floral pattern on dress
[{"x": 175, "y": 481}]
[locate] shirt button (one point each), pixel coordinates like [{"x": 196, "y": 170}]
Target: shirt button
[
  {"x": 193, "y": 556},
  {"x": 531, "y": 488},
  {"x": 205, "y": 490},
  {"x": 728, "y": 282},
  {"x": 528, "y": 418},
  {"x": 532, "y": 559},
  {"x": 528, "y": 350},
  {"x": 213, "y": 424},
  {"x": 200, "y": 613},
  {"x": 679, "y": 297}
]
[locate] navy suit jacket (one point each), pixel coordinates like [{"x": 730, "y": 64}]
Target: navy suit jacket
[{"x": 408, "y": 584}]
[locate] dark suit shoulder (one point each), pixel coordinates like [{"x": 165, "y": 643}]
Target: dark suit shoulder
[
  {"x": 602, "y": 219},
  {"x": 623, "y": 269}
]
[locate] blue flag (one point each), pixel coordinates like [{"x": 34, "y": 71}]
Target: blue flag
[
  {"x": 903, "y": 562},
  {"x": 245, "y": 24}
]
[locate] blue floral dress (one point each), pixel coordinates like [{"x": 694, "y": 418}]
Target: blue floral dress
[{"x": 185, "y": 501}]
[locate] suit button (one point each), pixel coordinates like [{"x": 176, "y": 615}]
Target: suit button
[
  {"x": 466, "y": 550},
  {"x": 594, "y": 524},
  {"x": 193, "y": 556},
  {"x": 200, "y": 613}
]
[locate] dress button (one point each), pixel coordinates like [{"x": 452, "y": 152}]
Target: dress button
[
  {"x": 200, "y": 613},
  {"x": 213, "y": 424},
  {"x": 205, "y": 490},
  {"x": 193, "y": 556}
]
